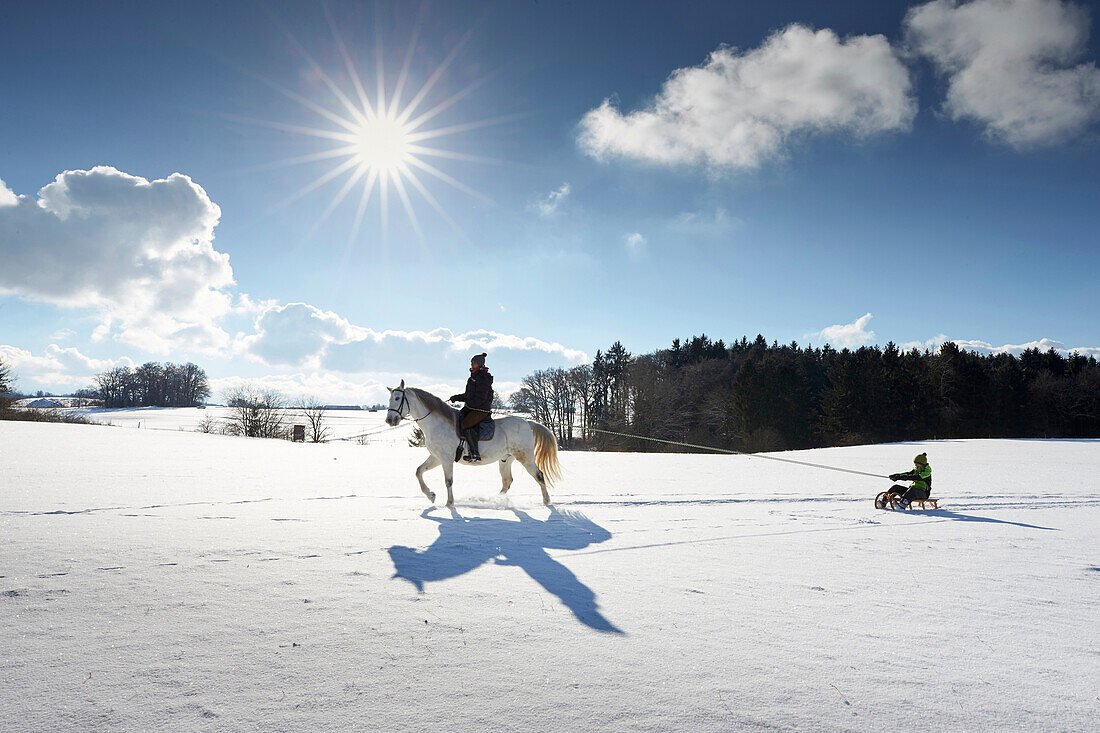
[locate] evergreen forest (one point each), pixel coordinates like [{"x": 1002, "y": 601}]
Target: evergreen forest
[{"x": 751, "y": 396}]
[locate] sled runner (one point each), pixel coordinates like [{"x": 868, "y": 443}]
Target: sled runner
[{"x": 892, "y": 500}]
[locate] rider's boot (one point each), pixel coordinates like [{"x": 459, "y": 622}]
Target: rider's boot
[
  {"x": 461, "y": 449},
  {"x": 471, "y": 440}
]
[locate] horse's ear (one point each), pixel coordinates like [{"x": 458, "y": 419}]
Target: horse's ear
[
  {"x": 402, "y": 384},
  {"x": 390, "y": 389}
]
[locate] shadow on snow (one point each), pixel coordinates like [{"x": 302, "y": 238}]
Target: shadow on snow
[
  {"x": 466, "y": 543},
  {"x": 947, "y": 514}
]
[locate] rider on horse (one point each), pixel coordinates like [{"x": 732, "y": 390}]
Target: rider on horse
[{"x": 479, "y": 402}]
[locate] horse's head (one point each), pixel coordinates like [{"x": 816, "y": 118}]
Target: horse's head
[{"x": 399, "y": 405}]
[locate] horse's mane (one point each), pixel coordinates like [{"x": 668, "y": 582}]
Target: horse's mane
[{"x": 433, "y": 403}]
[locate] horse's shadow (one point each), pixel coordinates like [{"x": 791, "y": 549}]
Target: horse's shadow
[{"x": 466, "y": 543}]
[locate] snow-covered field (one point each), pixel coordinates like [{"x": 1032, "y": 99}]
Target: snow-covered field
[
  {"x": 167, "y": 580},
  {"x": 341, "y": 424}
]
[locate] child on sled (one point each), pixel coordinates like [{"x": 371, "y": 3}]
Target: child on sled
[{"x": 921, "y": 476}]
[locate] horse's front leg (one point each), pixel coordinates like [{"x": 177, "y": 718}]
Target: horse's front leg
[
  {"x": 428, "y": 465},
  {"x": 448, "y": 475}
]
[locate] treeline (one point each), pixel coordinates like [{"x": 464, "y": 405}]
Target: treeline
[
  {"x": 752, "y": 396},
  {"x": 153, "y": 385}
]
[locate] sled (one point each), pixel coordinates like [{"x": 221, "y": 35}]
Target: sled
[{"x": 892, "y": 500}]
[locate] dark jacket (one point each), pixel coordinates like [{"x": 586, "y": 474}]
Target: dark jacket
[{"x": 479, "y": 391}]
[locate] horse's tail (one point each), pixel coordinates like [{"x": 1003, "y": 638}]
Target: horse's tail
[{"x": 546, "y": 453}]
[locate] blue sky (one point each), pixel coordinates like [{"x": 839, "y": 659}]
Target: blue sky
[{"x": 845, "y": 172}]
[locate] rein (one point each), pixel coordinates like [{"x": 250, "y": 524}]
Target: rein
[{"x": 405, "y": 403}]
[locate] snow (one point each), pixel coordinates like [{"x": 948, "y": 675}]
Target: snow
[
  {"x": 159, "y": 579},
  {"x": 341, "y": 424},
  {"x": 43, "y": 402}
]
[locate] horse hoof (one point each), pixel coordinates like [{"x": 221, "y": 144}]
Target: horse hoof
[{"x": 431, "y": 498}]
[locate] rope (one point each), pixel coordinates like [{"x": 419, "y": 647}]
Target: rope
[
  {"x": 681, "y": 443},
  {"x": 733, "y": 452},
  {"x": 364, "y": 435}
]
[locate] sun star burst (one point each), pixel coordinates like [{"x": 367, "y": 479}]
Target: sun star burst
[{"x": 380, "y": 141}]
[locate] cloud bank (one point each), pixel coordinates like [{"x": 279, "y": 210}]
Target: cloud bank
[
  {"x": 739, "y": 110},
  {"x": 1011, "y": 65},
  {"x": 138, "y": 252},
  {"x": 57, "y": 367},
  {"x": 1044, "y": 345},
  {"x": 302, "y": 335}
]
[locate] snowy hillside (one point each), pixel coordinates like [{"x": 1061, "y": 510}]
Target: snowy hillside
[{"x": 172, "y": 580}]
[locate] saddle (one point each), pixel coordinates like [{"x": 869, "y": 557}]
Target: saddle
[{"x": 486, "y": 430}]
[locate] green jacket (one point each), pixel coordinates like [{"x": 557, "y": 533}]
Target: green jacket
[{"x": 921, "y": 477}]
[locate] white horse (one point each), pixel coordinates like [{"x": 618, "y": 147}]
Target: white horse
[{"x": 515, "y": 439}]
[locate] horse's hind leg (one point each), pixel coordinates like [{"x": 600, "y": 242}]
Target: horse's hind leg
[
  {"x": 427, "y": 465},
  {"x": 533, "y": 469},
  {"x": 506, "y": 474}
]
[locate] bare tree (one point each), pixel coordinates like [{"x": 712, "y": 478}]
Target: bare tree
[
  {"x": 314, "y": 412},
  {"x": 256, "y": 413},
  {"x": 534, "y": 397},
  {"x": 582, "y": 387},
  {"x": 7, "y": 382},
  {"x": 208, "y": 424}
]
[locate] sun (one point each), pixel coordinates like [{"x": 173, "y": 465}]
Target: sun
[{"x": 382, "y": 142}]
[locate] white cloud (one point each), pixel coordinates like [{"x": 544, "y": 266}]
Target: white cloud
[
  {"x": 704, "y": 222},
  {"x": 299, "y": 334},
  {"x": 1044, "y": 344},
  {"x": 739, "y": 110},
  {"x": 63, "y": 334},
  {"x": 550, "y": 203},
  {"x": 1010, "y": 65},
  {"x": 848, "y": 335},
  {"x": 932, "y": 344},
  {"x": 57, "y": 367},
  {"x": 635, "y": 243},
  {"x": 138, "y": 252},
  {"x": 7, "y": 196}
]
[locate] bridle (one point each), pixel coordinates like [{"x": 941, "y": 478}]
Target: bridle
[{"x": 405, "y": 403}]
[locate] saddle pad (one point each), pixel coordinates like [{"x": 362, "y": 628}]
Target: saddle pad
[{"x": 486, "y": 429}]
